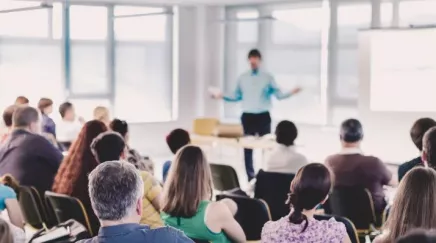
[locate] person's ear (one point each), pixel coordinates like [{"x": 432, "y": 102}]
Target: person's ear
[
  {"x": 139, "y": 207},
  {"x": 423, "y": 158},
  {"x": 123, "y": 155}
]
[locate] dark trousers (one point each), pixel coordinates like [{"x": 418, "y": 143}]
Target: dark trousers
[{"x": 254, "y": 124}]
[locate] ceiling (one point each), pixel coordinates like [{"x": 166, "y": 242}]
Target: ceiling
[{"x": 182, "y": 2}]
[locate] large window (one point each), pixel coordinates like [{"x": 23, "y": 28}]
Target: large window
[
  {"x": 114, "y": 56},
  {"x": 143, "y": 61},
  {"x": 313, "y": 45}
]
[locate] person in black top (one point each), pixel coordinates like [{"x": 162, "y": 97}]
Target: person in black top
[
  {"x": 419, "y": 128},
  {"x": 28, "y": 156}
]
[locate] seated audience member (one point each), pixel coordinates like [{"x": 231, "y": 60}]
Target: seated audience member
[
  {"x": 141, "y": 163},
  {"x": 45, "y": 105},
  {"x": 352, "y": 168},
  {"x": 429, "y": 148},
  {"x": 71, "y": 178},
  {"x": 284, "y": 158},
  {"x": 414, "y": 205},
  {"x": 28, "y": 156},
  {"x": 11, "y": 234},
  {"x": 419, "y": 128},
  {"x": 309, "y": 189},
  {"x": 101, "y": 113},
  {"x": 175, "y": 140},
  {"x": 418, "y": 236},
  {"x": 116, "y": 192},
  {"x": 110, "y": 146},
  {"x": 7, "y": 119},
  {"x": 21, "y": 100},
  {"x": 8, "y": 202},
  {"x": 69, "y": 127},
  {"x": 187, "y": 205}
]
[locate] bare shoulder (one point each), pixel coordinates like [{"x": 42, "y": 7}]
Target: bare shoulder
[{"x": 218, "y": 210}]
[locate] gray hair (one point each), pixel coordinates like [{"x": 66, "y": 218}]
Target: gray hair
[{"x": 114, "y": 189}]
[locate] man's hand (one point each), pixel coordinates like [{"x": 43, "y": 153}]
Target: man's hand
[
  {"x": 217, "y": 96},
  {"x": 296, "y": 90}
]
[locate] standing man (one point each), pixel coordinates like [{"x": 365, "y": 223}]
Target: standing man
[{"x": 255, "y": 89}]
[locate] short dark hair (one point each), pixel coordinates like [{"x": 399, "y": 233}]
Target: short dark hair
[
  {"x": 254, "y": 53},
  {"x": 119, "y": 126},
  {"x": 351, "y": 131},
  {"x": 419, "y": 128},
  {"x": 64, "y": 107},
  {"x": 177, "y": 139},
  {"x": 286, "y": 133},
  {"x": 21, "y": 100},
  {"x": 8, "y": 114},
  {"x": 44, "y": 103},
  {"x": 311, "y": 185},
  {"x": 108, "y": 146},
  {"x": 429, "y": 147},
  {"x": 418, "y": 235},
  {"x": 24, "y": 116}
]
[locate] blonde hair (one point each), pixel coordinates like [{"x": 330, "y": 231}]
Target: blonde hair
[
  {"x": 101, "y": 113},
  {"x": 189, "y": 182},
  {"x": 414, "y": 205}
]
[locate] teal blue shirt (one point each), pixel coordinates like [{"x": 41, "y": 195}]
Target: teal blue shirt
[
  {"x": 255, "y": 90},
  {"x": 5, "y": 193}
]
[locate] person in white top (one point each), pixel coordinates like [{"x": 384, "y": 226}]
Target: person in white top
[
  {"x": 69, "y": 127},
  {"x": 285, "y": 158}
]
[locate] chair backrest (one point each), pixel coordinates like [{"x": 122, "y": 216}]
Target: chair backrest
[
  {"x": 252, "y": 214},
  {"x": 224, "y": 177},
  {"x": 66, "y": 208},
  {"x": 354, "y": 203},
  {"x": 274, "y": 188},
  {"x": 31, "y": 207},
  {"x": 349, "y": 226}
]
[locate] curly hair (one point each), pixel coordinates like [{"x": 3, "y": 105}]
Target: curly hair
[{"x": 71, "y": 178}]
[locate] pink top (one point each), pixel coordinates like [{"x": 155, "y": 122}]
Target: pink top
[{"x": 323, "y": 231}]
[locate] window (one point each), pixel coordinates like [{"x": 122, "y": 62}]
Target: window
[
  {"x": 88, "y": 22},
  {"x": 417, "y": 13},
  {"x": 143, "y": 65}
]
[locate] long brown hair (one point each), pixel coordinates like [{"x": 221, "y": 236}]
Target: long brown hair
[
  {"x": 309, "y": 188},
  {"x": 414, "y": 204},
  {"x": 189, "y": 182},
  {"x": 80, "y": 161}
]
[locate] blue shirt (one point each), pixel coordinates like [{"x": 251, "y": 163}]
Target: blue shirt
[
  {"x": 255, "y": 89},
  {"x": 5, "y": 193},
  {"x": 136, "y": 233},
  {"x": 48, "y": 125}
]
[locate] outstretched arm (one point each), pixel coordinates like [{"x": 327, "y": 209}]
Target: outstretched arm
[
  {"x": 278, "y": 93},
  {"x": 235, "y": 96}
]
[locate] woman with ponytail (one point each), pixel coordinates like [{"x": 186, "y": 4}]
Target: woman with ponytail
[{"x": 309, "y": 189}]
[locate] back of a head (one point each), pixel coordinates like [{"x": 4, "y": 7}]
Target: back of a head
[
  {"x": 189, "y": 182},
  {"x": 101, "y": 113},
  {"x": 64, "y": 107},
  {"x": 108, "y": 146},
  {"x": 419, "y": 128},
  {"x": 44, "y": 103},
  {"x": 8, "y": 114},
  {"x": 119, "y": 126},
  {"x": 414, "y": 204},
  {"x": 114, "y": 189},
  {"x": 177, "y": 139},
  {"x": 24, "y": 116},
  {"x": 351, "y": 131},
  {"x": 286, "y": 133},
  {"x": 21, "y": 100},
  {"x": 418, "y": 236},
  {"x": 429, "y": 147},
  {"x": 80, "y": 160},
  {"x": 311, "y": 185}
]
